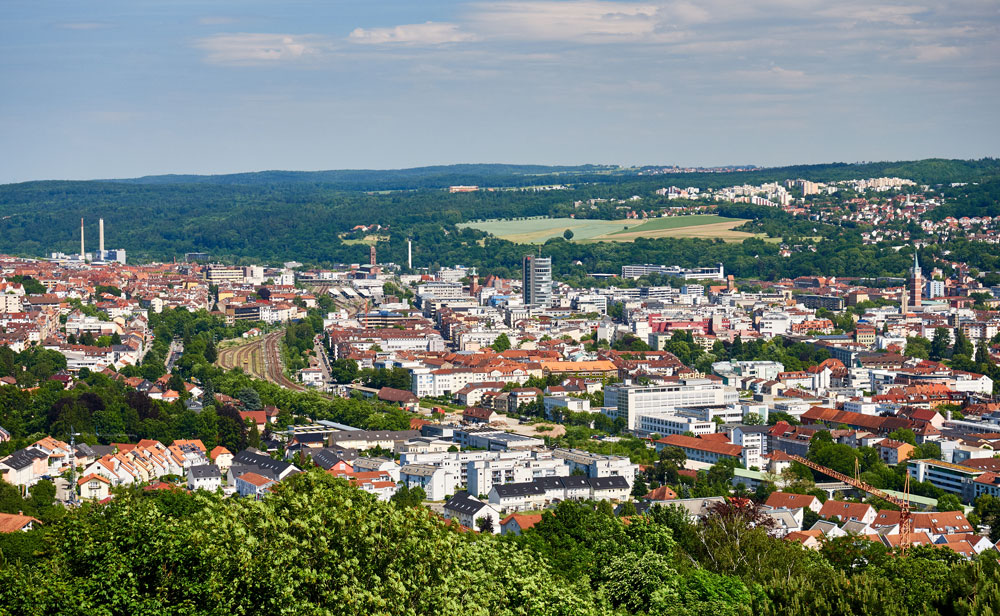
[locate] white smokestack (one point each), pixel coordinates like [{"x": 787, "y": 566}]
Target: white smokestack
[
  {"x": 409, "y": 253},
  {"x": 100, "y": 226},
  {"x": 82, "y": 251}
]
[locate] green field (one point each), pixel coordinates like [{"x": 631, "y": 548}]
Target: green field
[
  {"x": 538, "y": 230},
  {"x": 678, "y": 222}
]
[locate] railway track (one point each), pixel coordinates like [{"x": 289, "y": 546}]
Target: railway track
[{"x": 260, "y": 359}]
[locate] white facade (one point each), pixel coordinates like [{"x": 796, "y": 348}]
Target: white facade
[
  {"x": 631, "y": 401},
  {"x": 669, "y": 423},
  {"x": 482, "y": 475}
]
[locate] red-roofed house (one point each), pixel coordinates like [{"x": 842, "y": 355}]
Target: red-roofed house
[
  {"x": 257, "y": 417},
  {"x": 844, "y": 511},
  {"x": 479, "y": 415},
  {"x": 516, "y": 523},
  {"x": 94, "y": 487},
  {"x": 221, "y": 457},
  {"x": 253, "y": 485},
  {"x": 893, "y": 452},
  {"x": 987, "y": 483},
  {"x": 660, "y": 494},
  {"x": 14, "y": 522},
  {"x": 786, "y": 500}
]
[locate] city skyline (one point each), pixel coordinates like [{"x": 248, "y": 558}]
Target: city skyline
[{"x": 181, "y": 88}]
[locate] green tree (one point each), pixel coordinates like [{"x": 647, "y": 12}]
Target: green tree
[
  {"x": 940, "y": 343},
  {"x": 949, "y": 502},
  {"x": 231, "y": 429},
  {"x": 344, "y": 370},
  {"x": 918, "y": 347},
  {"x": 904, "y": 435},
  {"x": 501, "y": 344},
  {"x": 962, "y": 345},
  {"x": 568, "y": 234},
  {"x": 250, "y": 399}
]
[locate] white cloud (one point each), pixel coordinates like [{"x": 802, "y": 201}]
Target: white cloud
[
  {"x": 258, "y": 48},
  {"x": 935, "y": 53},
  {"x": 575, "y": 20},
  {"x": 428, "y": 33},
  {"x": 898, "y": 15}
]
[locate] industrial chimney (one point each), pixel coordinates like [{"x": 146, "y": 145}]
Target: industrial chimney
[
  {"x": 409, "y": 254},
  {"x": 371, "y": 256},
  {"x": 83, "y": 254},
  {"x": 100, "y": 226}
]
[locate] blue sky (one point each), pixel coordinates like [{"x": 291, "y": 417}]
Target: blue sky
[{"x": 120, "y": 89}]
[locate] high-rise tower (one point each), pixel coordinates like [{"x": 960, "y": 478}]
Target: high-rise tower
[
  {"x": 915, "y": 281},
  {"x": 537, "y": 279}
]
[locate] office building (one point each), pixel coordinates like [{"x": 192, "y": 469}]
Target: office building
[
  {"x": 537, "y": 281},
  {"x": 630, "y": 401}
]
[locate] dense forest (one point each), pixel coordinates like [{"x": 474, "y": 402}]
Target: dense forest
[
  {"x": 277, "y": 216},
  {"x": 319, "y": 546}
]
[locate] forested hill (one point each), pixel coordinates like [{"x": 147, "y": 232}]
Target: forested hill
[
  {"x": 929, "y": 171},
  {"x": 439, "y": 176},
  {"x": 278, "y": 216}
]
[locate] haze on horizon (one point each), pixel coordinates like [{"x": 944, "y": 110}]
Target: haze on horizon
[{"x": 124, "y": 90}]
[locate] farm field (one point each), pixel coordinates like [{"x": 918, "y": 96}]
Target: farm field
[{"x": 538, "y": 230}]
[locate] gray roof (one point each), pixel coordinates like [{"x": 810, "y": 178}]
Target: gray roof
[
  {"x": 84, "y": 450},
  {"x": 575, "y": 482},
  {"x": 511, "y": 490},
  {"x": 327, "y": 458},
  {"x": 463, "y": 503},
  {"x": 550, "y": 483},
  {"x": 23, "y": 458},
  {"x": 423, "y": 470},
  {"x": 204, "y": 471},
  {"x": 374, "y": 435},
  {"x": 103, "y": 450},
  {"x": 615, "y": 482},
  {"x": 250, "y": 460}
]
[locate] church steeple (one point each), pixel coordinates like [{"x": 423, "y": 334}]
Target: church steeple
[{"x": 916, "y": 281}]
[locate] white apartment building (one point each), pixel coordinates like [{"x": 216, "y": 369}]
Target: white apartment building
[
  {"x": 565, "y": 404},
  {"x": 425, "y": 382},
  {"x": 482, "y": 475},
  {"x": 457, "y": 463},
  {"x": 596, "y": 465},
  {"x": 630, "y": 401},
  {"x": 669, "y": 423}
]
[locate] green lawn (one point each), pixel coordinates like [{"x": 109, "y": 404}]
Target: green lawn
[{"x": 677, "y": 222}]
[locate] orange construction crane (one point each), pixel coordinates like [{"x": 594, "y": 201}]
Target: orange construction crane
[{"x": 905, "y": 519}]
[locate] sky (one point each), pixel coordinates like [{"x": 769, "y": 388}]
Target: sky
[{"x": 129, "y": 88}]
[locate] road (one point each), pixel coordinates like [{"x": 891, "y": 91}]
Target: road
[
  {"x": 176, "y": 350},
  {"x": 261, "y": 359},
  {"x": 324, "y": 361}
]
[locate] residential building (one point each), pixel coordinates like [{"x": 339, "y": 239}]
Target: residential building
[
  {"x": 204, "y": 477},
  {"x": 468, "y": 510}
]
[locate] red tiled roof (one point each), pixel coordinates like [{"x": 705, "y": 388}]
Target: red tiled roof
[
  {"x": 786, "y": 500},
  {"x": 524, "y": 521},
  {"x": 690, "y": 442},
  {"x": 13, "y": 522},
  {"x": 844, "y": 510},
  {"x": 661, "y": 493},
  {"x": 257, "y": 480}
]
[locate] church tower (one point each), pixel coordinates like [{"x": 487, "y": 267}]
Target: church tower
[{"x": 915, "y": 282}]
